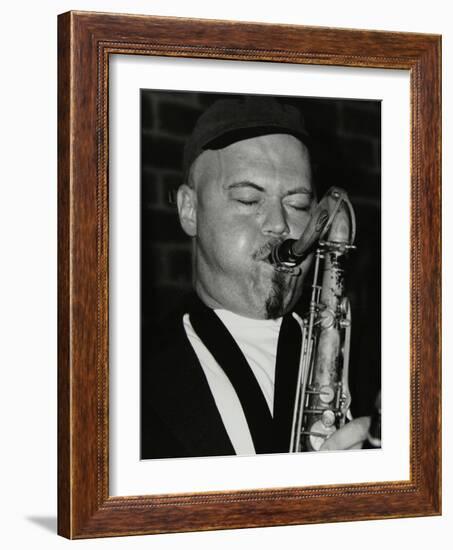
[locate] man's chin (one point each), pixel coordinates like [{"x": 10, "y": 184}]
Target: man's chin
[{"x": 277, "y": 302}]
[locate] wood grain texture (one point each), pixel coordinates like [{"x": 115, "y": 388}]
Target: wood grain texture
[
  {"x": 85, "y": 42},
  {"x": 64, "y": 425}
]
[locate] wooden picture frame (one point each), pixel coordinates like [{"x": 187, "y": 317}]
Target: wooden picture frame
[{"x": 85, "y": 41}]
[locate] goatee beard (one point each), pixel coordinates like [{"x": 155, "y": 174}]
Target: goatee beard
[{"x": 275, "y": 303}]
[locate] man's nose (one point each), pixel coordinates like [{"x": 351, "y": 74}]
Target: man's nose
[{"x": 275, "y": 222}]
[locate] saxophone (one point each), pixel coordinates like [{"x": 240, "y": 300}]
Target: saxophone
[{"x": 322, "y": 394}]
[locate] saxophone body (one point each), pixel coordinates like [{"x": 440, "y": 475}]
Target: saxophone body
[
  {"x": 322, "y": 394},
  {"x": 325, "y": 398}
]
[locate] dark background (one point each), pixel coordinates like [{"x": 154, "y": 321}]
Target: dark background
[{"x": 346, "y": 152}]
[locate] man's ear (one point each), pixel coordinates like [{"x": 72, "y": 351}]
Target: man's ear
[{"x": 187, "y": 209}]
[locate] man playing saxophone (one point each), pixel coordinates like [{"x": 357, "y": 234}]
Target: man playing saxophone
[{"x": 223, "y": 378}]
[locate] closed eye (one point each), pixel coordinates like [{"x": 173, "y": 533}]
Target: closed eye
[
  {"x": 305, "y": 208},
  {"x": 245, "y": 192},
  {"x": 247, "y": 201},
  {"x": 300, "y": 202}
]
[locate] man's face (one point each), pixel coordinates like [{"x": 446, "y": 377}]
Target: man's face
[{"x": 246, "y": 198}]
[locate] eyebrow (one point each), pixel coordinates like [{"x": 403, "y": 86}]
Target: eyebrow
[
  {"x": 295, "y": 191},
  {"x": 242, "y": 184}
]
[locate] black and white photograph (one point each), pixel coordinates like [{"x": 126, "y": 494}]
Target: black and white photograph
[
  {"x": 225, "y": 275},
  {"x": 260, "y": 274}
]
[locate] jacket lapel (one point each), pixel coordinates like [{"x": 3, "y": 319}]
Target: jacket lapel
[{"x": 181, "y": 396}]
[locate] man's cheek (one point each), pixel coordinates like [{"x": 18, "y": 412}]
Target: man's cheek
[{"x": 242, "y": 244}]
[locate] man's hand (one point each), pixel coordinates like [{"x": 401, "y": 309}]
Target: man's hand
[{"x": 350, "y": 436}]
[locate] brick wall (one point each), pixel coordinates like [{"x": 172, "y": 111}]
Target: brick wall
[
  {"x": 167, "y": 120},
  {"x": 345, "y": 152}
]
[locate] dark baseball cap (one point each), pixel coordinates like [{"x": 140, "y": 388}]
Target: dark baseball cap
[{"x": 230, "y": 120}]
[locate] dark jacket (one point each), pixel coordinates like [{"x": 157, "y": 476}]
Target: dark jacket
[
  {"x": 179, "y": 417},
  {"x": 179, "y": 414}
]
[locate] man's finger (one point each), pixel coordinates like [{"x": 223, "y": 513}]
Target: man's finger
[{"x": 350, "y": 436}]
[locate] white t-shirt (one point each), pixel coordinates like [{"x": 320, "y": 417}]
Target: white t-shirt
[{"x": 257, "y": 339}]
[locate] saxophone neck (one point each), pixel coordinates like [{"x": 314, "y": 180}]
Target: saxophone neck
[
  {"x": 332, "y": 222},
  {"x": 340, "y": 228}
]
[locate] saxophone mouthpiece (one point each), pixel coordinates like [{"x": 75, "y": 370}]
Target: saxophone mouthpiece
[
  {"x": 290, "y": 253},
  {"x": 282, "y": 254},
  {"x": 333, "y": 215}
]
